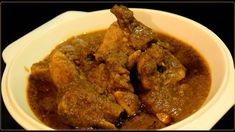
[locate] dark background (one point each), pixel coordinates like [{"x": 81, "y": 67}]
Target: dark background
[{"x": 17, "y": 19}]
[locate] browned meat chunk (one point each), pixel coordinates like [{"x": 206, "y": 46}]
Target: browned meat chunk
[
  {"x": 62, "y": 70},
  {"x": 129, "y": 101},
  {"x": 158, "y": 71},
  {"x": 138, "y": 34},
  {"x": 121, "y": 49},
  {"x": 84, "y": 107},
  {"x": 114, "y": 48},
  {"x": 165, "y": 103},
  {"x": 123, "y": 38},
  {"x": 158, "y": 67},
  {"x": 111, "y": 77},
  {"x": 116, "y": 80},
  {"x": 78, "y": 101}
]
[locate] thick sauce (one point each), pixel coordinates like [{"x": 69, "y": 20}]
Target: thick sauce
[{"x": 189, "y": 94}]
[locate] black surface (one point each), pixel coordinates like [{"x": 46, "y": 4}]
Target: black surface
[{"x": 18, "y": 19}]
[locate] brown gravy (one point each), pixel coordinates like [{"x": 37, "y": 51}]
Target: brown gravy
[{"x": 194, "y": 88}]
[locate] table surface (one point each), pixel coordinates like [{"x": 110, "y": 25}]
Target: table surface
[{"x": 20, "y": 18}]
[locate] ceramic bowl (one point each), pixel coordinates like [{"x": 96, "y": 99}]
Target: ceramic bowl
[{"x": 37, "y": 44}]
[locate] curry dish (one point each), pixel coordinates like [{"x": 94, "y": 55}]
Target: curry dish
[{"x": 124, "y": 77}]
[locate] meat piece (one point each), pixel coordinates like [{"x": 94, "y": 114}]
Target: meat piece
[
  {"x": 111, "y": 77},
  {"x": 158, "y": 67},
  {"x": 79, "y": 103},
  {"x": 164, "y": 100},
  {"x": 129, "y": 101},
  {"x": 124, "y": 38},
  {"x": 114, "y": 46},
  {"x": 80, "y": 50},
  {"x": 138, "y": 34},
  {"x": 116, "y": 80},
  {"x": 121, "y": 49},
  {"x": 63, "y": 72},
  {"x": 84, "y": 107},
  {"x": 159, "y": 72}
]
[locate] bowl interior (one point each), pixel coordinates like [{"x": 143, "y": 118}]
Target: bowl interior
[{"x": 179, "y": 27}]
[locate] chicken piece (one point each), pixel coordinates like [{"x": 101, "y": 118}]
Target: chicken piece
[
  {"x": 84, "y": 107},
  {"x": 116, "y": 80},
  {"x": 158, "y": 67},
  {"x": 139, "y": 35},
  {"x": 111, "y": 77},
  {"x": 129, "y": 101},
  {"x": 165, "y": 103},
  {"x": 80, "y": 50},
  {"x": 114, "y": 47},
  {"x": 79, "y": 103},
  {"x": 63, "y": 72},
  {"x": 124, "y": 38},
  {"x": 120, "y": 51},
  {"x": 159, "y": 72}
]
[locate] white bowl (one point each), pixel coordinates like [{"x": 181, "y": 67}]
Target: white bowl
[{"x": 37, "y": 44}]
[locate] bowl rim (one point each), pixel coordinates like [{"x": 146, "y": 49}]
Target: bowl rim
[{"x": 7, "y": 97}]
